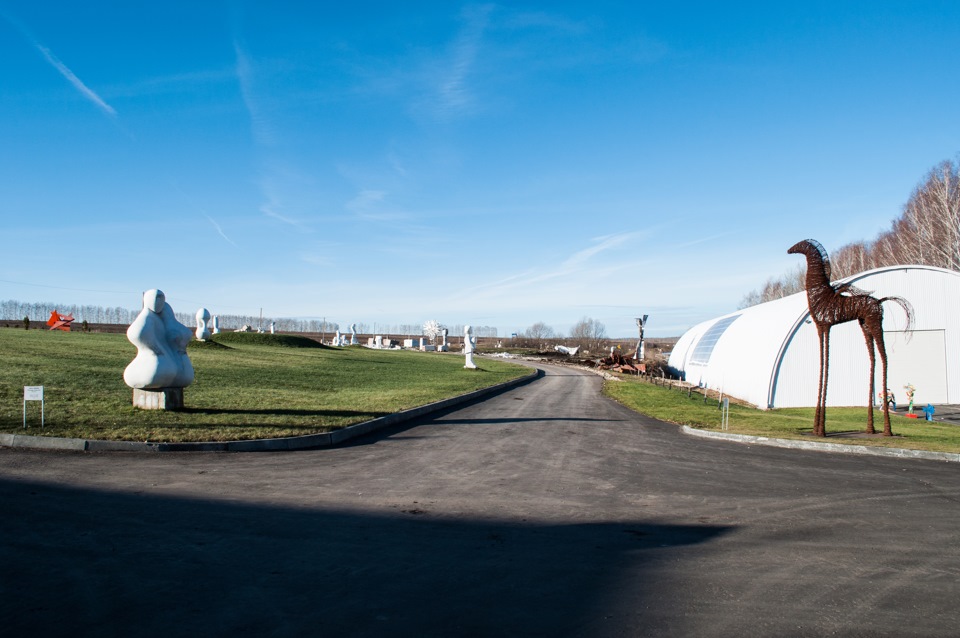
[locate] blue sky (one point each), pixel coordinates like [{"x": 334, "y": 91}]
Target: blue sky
[{"x": 490, "y": 164}]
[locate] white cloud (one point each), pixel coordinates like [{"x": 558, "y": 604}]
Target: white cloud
[
  {"x": 261, "y": 126},
  {"x": 453, "y": 89}
]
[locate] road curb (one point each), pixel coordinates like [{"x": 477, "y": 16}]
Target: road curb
[
  {"x": 837, "y": 448},
  {"x": 308, "y": 441}
]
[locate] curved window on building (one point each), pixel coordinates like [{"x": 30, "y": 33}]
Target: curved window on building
[{"x": 704, "y": 349}]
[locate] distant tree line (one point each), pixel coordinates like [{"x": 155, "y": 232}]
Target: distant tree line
[
  {"x": 12, "y": 310},
  {"x": 927, "y": 233}
]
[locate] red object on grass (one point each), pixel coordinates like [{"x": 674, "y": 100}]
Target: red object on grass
[{"x": 60, "y": 322}]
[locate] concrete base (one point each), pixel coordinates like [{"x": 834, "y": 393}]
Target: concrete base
[{"x": 162, "y": 399}]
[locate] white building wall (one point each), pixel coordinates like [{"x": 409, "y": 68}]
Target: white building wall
[{"x": 769, "y": 356}]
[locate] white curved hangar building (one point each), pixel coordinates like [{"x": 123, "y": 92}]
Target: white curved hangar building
[{"x": 768, "y": 355}]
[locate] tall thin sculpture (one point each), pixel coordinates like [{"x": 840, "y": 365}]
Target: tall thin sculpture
[{"x": 834, "y": 304}]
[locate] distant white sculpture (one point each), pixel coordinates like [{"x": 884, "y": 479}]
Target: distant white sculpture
[
  {"x": 568, "y": 351},
  {"x": 443, "y": 339},
  {"x": 469, "y": 345},
  {"x": 161, "y": 342},
  {"x": 432, "y": 329},
  {"x": 272, "y": 325},
  {"x": 378, "y": 341},
  {"x": 203, "y": 317},
  {"x": 353, "y": 334},
  {"x": 337, "y": 338},
  {"x": 216, "y": 325}
]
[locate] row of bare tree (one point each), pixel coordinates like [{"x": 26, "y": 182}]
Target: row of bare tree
[
  {"x": 927, "y": 233},
  {"x": 587, "y": 333},
  {"x": 12, "y": 310}
]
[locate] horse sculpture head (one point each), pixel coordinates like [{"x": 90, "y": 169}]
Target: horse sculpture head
[{"x": 812, "y": 250}]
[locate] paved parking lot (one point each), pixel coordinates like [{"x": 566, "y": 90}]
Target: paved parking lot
[{"x": 547, "y": 510}]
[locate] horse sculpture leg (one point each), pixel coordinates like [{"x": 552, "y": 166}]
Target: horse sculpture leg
[
  {"x": 887, "y": 431},
  {"x": 868, "y": 337},
  {"x": 826, "y": 376},
  {"x": 819, "y": 416}
]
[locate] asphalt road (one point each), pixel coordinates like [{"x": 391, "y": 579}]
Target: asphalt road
[{"x": 547, "y": 510}]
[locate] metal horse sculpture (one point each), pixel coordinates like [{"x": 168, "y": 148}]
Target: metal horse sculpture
[{"x": 834, "y": 304}]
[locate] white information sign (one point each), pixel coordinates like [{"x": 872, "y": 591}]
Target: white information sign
[{"x": 33, "y": 393}]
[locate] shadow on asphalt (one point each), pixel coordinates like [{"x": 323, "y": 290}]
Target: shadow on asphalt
[
  {"x": 320, "y": 413},
  {"x": 80, "y": 562},
  {"x": 524, "y": 420}
]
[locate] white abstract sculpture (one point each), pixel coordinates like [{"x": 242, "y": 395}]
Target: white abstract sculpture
[
  {"x": 353, "y": 334},
  {"x": 469, "y": 344},
  {"x": 336, "y": 338},
  {"x": 432, "y": 329},
  {"x": 272, "y": 325},
  {"x": 161, "y": 341},
  {"x": 216, "y": 325},
  {"x": 203, "y": 316}
]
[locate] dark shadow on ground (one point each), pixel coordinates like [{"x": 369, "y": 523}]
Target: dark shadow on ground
[
  {"x": 81, "y": 562},
  {"x": 526, "y": 420},
  {"x": 281, "y": 412},
  {"x": 852, "y": 434}
]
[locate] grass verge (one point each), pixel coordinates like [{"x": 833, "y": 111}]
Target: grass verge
[
  {"x": 674, "y": 406},
  {"x": 246, "y": 387}
]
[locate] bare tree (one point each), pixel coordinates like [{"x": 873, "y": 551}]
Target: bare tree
[
  {"x": 538, "y": 333},
  {"x": 775, "y": 288},
  {"x": 588, "y": 333},
  {"x": 933, "y": 214},
  {"x": 927, "y": 233}
]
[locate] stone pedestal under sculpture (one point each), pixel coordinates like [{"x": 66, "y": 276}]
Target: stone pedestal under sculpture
[
  {"x": 161, "y": 369},
  {"x": 163, "y": 399}
]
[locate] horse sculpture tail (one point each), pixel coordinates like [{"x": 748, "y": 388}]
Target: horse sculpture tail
[{"x": 907, "y": 308}]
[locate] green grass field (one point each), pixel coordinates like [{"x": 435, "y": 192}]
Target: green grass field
[
  {"x": 263, "y": 386},
  {"x": 792, "y": 423},
  {"x": 247, "y": 386}
]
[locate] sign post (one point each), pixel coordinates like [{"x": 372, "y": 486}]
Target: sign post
[{"x": 33, "y": 393}]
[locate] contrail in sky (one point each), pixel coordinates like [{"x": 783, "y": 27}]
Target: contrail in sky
[
  {"x": 55, "y": 62},
  {"x": 74, "y": 80},
  {"x": 219, "y": 230}
]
